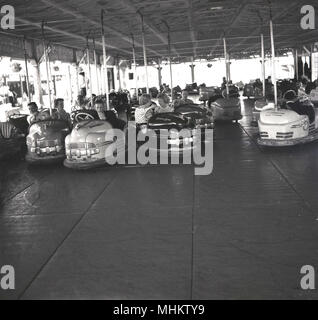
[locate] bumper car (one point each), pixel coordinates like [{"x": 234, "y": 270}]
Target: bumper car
[
  {"x": 193, "y": 88},
  {"x": 227, "y": 108},
  {"x": 167, "y": 129},
  {"x": 288, "y": 127},
  {"x": 194, "y": 118},
  {"x": 208, "y": 93},
  {"x": 289, "y": 97},
  {"x": 86, "y": 146},
  {"x": 248, "y": 90},
  {"x": 240, "y": 85},
  {"x": 46, "y": 142},
  {"x": 199, "y": 116},
  {"x": 253, "y": 89},
  {"x": 12, "y": 140}
]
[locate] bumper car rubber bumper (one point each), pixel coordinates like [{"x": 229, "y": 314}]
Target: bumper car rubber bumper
[
  {"x": 81, "y": 165},
  {"x": 288, "y": 142},
  {"x": 48, "y": 159}
]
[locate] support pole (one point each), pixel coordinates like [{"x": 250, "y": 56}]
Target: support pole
[
  {"x": 96, "y": 68},
  {"x": 170, "y": 62},
  {"x": 159, "y": 73},
  {"x": 27, "y": 71},
  {"x": 47, "y": 69},
  {"x": 135, "y": 65},
  {"x": 296, "y": 64},
  {"x": 118, "y": 74},
  {"x": 263, "y": 64},
  {"x": 227, "y": 67},
  {"x": 273, "y": 62},
  {"x": 21, "y": 85},
  {"x": 70, "y": 84},
  {"x": 76, "y": 64},
  {"x": 105, "y": 62},
  {"x": 145, "y": 51},
  {"x": 89, "y": 74},
  {"x": 192, "y": 70}
]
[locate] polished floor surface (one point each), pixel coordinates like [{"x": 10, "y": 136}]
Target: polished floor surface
[{"x": 159, "y": 232}]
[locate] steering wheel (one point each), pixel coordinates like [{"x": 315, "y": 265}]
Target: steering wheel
[
  {"x": 290, "y": 91},
  {"x": 82, "y": 116}
]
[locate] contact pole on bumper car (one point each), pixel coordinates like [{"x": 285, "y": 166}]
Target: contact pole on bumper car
[
  {"x": 273, "y": 61},
  {"x": 96, "y": 68},
  {"x": 89, "y": 73},
  {"x": 296, "y": 64},
  {"x": 170, "y": 62},
  {"x": 135, "y": 65},
  {"x": 105, "y": 62},
  {"x": 227, "y": 67},
  {"x": 27, "y": 70},
  {"x": 47, "y": 69},
  {"x": 263, "y": 64},
  {"x": 144, "y": 50}
]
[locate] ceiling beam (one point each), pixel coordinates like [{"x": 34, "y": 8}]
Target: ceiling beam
[
  {"x": 235, "y": 19},
  {"x": 80, "y": 16},
  {"x": 278, "y": 15},
  {"x": 66, "y": 33},
  {"x": 129, "y": 5},
  {"x": 192, "y": 29}
]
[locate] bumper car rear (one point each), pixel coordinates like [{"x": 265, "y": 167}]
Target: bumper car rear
[{"x": 227, "y": 110}]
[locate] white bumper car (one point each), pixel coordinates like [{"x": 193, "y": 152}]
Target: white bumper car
[
  {"x": 285, "y": 127},
  {"x": 262, "y": 105},
  {"x": 88, "y": 146}
]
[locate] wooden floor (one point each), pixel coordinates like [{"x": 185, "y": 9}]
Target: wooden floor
[{"x": 160, "y": 232}]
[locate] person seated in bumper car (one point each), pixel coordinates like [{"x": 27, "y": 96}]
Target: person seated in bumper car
[
  {"x": 302, "y": 94},
  {"x": 61, "y": 114},
  {"x": 224, "y": 83},
  {"x": 164, "y": 104},
  {"x": 80, "y": 103},
  {"x": 145, "y": 110},
  {"x": 35, "y": 115},
  {"x": 109, "y": 116},
  {"x": 184, "y": 99}
]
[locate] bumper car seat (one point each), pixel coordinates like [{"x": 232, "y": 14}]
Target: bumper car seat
[{"x": 303, "y": 108}]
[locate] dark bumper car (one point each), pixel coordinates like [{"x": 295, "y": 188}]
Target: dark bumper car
[
  {"x": 227, "y": 108},
  {"x": 12, "y": 139}
]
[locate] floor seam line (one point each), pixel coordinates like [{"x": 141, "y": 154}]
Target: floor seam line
[
  {"x": 192, "y": 238},
  {"x": 64, "y": 239},
  {"x": 27, "y": 187}
]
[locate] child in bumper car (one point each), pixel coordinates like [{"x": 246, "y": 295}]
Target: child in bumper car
[
  {"x": 164, "y": 104},
  {"x": 145, "y": 110},
  {"x": 35, "y": 115}
]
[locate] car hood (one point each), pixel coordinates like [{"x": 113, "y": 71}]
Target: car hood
[
  {"x": 168, "y": 121},
  {"x": 279, "y": 117},
  {"x": 193, "y": 111},
  {"x": 228, "y": 103},
  {"x": 89, "y": 127},
  {"x": 48, "y": 130}
]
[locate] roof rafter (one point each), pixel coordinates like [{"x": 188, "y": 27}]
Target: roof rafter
[
  {"x": 80, "y": 16},
  {"x": 235, "y": 20},
  {"x": 128, "y": 4}
]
